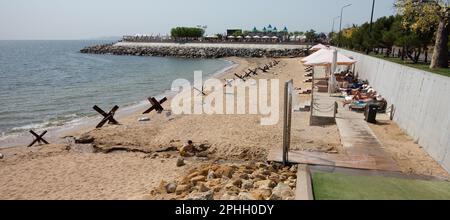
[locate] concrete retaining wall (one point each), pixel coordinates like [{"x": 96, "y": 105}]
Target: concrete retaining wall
[{"x": 421, "y": 100}]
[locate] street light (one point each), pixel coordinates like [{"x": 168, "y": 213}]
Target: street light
[
  {"x": 334, "y": 21},
  {"x": 371, "y": 24},
  {"x": 340, "y": 25}
]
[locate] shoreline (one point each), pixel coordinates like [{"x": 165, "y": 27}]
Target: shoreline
[
  {"x": 133, "y": 160},
  {"x": 77, "y": 126}
]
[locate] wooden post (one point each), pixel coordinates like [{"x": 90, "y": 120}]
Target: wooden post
[
  {"x": 312, "y": 99},
  {"x": 391, "y": 116},
  {"x": 336, "y": 106},
  {"x": 288, "y": 87}
]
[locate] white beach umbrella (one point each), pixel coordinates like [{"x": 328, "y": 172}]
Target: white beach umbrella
[
  {"x": 248, "y": 37},
  {"x": 256, "y": 37},
  {"x": 266, "y": 37},
  {"x": 274, "y": 37},
  {"x": 313, "y": 55},
  {"x": 318, "y": 47},
  {"x": 239, "y": 37},
  {"x": 324, "y": 57},
  {"x": 231, "y": 37}
]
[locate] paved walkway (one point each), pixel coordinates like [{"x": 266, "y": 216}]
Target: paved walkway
[{"x": 362, "y": 149}]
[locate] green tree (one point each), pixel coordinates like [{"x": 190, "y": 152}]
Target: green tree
[
  {"x": 186, "y": 32},
  {"x": 311, "y": 36},
  {"x": 423, "y": 15}
]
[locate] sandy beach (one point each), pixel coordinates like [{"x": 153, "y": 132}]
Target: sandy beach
[{"x": 129, "y": 161}]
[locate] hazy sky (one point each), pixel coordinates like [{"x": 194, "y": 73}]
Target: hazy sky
[{"x": 84, "y": 19}]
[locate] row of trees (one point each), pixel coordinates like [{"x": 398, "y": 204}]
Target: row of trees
[
  {"x": 417, "y": 26},
  {"x": 186, "y": 33}
]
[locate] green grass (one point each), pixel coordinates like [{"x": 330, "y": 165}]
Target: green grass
[
  {"x": 333, "y": 186},
  {"x": 421, "y": 66}
]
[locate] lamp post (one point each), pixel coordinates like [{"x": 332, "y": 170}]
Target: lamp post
[
  {"x": 340, "y": 25},
  {"x": 334, "y": 21},
  {"x": 371, "y": 24}
]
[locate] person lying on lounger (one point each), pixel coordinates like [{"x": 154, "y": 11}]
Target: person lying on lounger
[{"x": 360, "y": 97}]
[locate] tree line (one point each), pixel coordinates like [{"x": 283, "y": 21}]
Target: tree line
[{"x": 418, "y": 26}]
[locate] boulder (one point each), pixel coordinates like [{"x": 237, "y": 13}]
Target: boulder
[
  {"x": 247, "y": 184},
  {"x": 282, "y": 192},
  {"x": 182, "y": 189},
  {"x": 211, "y": 175},
  {"x": 197, "y": 179},
  {"x": 203, "y": 188},
  {"x": 262, "y": 184},
  {"x": 225, "y": 171},
  {"x": 180, "y": 162},
  {"x": 261, "y": 194},
  {"x": 237, "y": 183},
  {"x": 171, "y": 187},
  {"x": 201, "y": 196},
  {"x": 245, "y": 196}
]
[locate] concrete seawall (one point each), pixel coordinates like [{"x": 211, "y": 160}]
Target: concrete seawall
[
  {"x": 421, "y": 100},
  {"x": 198, "y": 50}
]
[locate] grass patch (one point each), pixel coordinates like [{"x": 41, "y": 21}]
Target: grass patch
[
  {"x": 421, "y": 66},
  {"x": 334, "y": 186}
]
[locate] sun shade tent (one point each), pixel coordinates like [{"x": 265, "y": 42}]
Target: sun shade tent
[
  {"x": 313, "y": 55},
  {"x": 324, "y": 57},
  {"x": 318, "y": 47}
]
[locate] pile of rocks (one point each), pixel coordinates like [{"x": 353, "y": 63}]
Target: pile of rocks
[
  {"x": 253, "y": 181},
  {"x": 193, "y": 52}
]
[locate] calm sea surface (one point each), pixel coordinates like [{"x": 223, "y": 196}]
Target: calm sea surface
[{"x": 49, "y": 83}]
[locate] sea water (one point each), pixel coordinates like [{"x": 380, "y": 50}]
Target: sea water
[{"x": 50, "y": 83}]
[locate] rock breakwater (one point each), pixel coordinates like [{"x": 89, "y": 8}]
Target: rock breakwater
[{"x": 194, "y": 52}]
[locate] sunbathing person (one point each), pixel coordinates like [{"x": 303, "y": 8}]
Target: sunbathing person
[{"x": 360, "y": 97}]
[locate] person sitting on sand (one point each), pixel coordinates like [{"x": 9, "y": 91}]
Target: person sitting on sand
[{"x": 188, "y": 150}]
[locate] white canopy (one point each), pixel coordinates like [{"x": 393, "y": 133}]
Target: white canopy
[
  {"x": 256, "y": 36},
  {"x": 324, "y": 57},
  {"x": 318, "y": 47},
  {"x": 239, "y": 37},
  {"x": 248, "y": 37},
  {"x": 274, "y": 37},
  {"x": 230, "y": 37},
  {"x": 266, "y": 37}
]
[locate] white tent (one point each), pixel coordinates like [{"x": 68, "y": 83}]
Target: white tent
[
  {"x": 318, "y": 47},
  {"x": 324, "y": 57},
  {"x": 313, "y": 55}
]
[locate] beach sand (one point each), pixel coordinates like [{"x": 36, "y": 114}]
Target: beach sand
[{"x": 124, "y": 163}]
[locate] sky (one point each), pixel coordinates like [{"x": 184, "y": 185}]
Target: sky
[{"x": 91, "y": 19}]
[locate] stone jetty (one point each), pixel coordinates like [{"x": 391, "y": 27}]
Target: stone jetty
[{"x": 198, "y": 50}]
